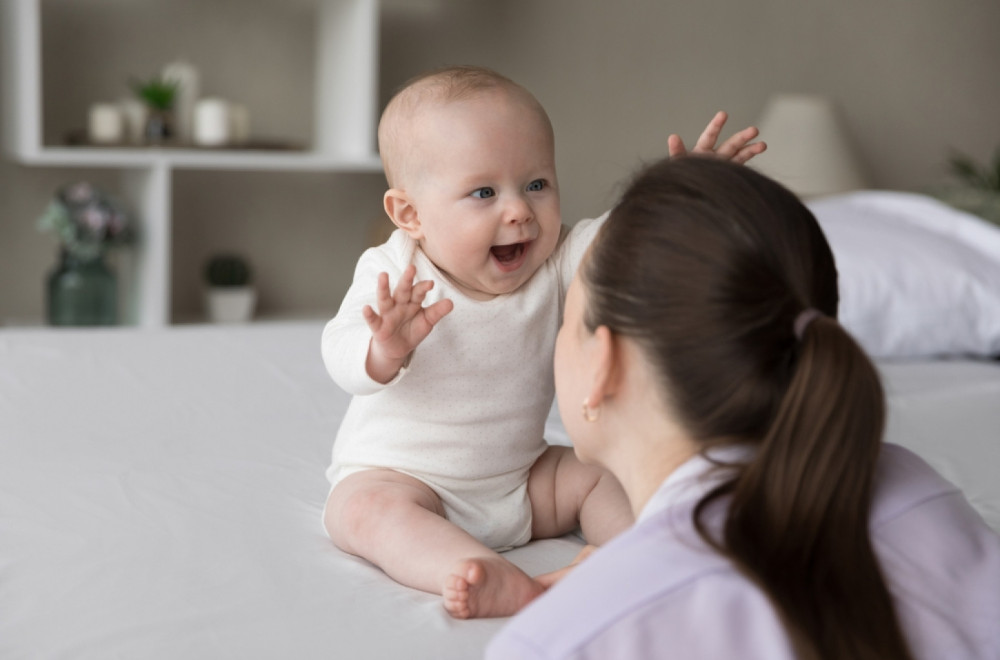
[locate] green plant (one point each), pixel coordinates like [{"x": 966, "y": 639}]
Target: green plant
[
  {"x": 974, "y": 174},
  {"x": 157, "y": 92},
  {"x": 227, "y": 270}
]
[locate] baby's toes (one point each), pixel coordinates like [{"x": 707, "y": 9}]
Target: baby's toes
[{"x": 456, "y": 597}]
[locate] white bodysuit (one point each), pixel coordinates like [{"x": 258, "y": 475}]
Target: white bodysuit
[{"x": 466, "y": 415}]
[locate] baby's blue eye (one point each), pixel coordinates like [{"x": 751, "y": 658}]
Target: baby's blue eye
[
  {"x": 484, "y": 193},
  {"x": 536, "y": 185}
]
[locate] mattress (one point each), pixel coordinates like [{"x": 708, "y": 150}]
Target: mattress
[
  {"x": 948, "y": 411},
  {"x": 161, "y": 494}
]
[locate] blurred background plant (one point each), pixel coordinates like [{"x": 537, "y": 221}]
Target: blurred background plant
[
  {"x": 229, "y": 296},
  {"x": 975, "y": 186},
  {"x": 976, "y": 175},
  {"x": 227, "y": 271},
  {"x": 86, "y": 220},
  {"x": 157, "y": 92}
]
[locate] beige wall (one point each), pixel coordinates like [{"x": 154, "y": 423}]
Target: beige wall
[{"x": 913, "y": 77}]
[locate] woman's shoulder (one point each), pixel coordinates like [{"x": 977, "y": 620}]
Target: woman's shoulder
[
  {"x": 922, "y": 522},
  {"x": 904, "y": 481},
  {"x": 653, "y": 588},
  {"x": 940, "y": 559}
]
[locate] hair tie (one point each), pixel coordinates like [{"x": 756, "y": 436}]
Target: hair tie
[{"x": 803, "y": 320}]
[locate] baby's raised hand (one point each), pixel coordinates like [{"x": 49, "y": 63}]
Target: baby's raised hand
[
  {"x": 401, "y": 323},
  {"x": 739, "y": 148}
]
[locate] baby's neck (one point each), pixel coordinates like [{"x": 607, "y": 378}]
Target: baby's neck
[{"x": 473, "y": 294}]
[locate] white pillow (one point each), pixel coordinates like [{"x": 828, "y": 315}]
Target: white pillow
[{"x": 917, "y": 277}]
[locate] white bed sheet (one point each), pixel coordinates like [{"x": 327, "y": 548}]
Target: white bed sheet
[
  {"x": 160, "y": 497},
  {"x": 948, "y": 412},
  {"x": 161, "y": 492}
]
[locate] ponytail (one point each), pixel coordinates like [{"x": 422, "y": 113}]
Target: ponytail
[{"x": 798, "y": 514}]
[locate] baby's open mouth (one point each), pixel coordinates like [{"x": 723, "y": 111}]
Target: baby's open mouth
[{"x": 508, "y": 254}]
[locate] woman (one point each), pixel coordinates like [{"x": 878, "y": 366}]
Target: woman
[{"x": 746, "y": 427}]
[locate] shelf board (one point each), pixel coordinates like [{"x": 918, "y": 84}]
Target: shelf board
[
  {"x": 195, "y": 159},
  {"x": 317, "y": 317}
]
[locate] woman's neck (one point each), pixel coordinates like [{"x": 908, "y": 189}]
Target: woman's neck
[
  {"x": 650, "y": 447},
  {"x": 645, "y": 442},
  {"x": 648, "y": 473}
]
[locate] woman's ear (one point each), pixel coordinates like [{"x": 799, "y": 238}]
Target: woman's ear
[
  {"x": 605, "y": 366},
  {"x": 400, "y": 209}
]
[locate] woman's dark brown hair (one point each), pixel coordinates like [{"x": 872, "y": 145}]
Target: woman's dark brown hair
[{"x": 708, "y": 265}]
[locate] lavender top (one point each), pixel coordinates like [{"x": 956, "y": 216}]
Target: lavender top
[{"x": 658, "y": 591}]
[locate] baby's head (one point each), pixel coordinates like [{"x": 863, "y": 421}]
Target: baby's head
[{"x": 470, "y": 160}]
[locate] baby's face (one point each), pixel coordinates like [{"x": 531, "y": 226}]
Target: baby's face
[{"x": 485, "y": 192}]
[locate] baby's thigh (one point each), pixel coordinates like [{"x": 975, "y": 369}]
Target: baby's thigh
[
  {"x": 558, "y": 484},
  {"x": 363, "y": 502}
]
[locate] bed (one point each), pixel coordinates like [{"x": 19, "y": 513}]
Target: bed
[{"x": 161, "y": 491}]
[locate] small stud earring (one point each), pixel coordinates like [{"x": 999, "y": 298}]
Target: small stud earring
[{"x": 590, "y": 414}]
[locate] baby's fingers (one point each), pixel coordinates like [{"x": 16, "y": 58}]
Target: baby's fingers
[
  {"x": 732, "y": 147},
  {"x": 383, "y": 297},
  {"x": 404, "y": 288},
  {"x": 420, "y": 290},
  {"x": 706, "y": 142},
  {"x": 749, "y": 151},
  {"x": 675, "y": 146},
  {"x": 438, "y": 311},
  {"x": 373, "y": 320}
]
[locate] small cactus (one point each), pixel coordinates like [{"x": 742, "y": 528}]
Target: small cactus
[{"x": 227, "y": 270}]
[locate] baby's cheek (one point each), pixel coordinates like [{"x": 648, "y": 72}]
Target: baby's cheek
[{"x": 548, "y": 244}]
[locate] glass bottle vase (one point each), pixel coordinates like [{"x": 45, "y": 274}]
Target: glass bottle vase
[
  {"x": 82, "y": 292},
  {"x": 159, "y": 126}
]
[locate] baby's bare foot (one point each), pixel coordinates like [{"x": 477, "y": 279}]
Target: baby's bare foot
[{"x": 487, "y": 587}]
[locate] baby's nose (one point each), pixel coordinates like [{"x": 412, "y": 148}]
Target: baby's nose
[{"x": 518, "y": 211}]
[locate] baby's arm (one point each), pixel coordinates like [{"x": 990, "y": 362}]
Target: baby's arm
[
  {"x": 739, "y": 148},
  {"x": 400, "y": 324}
]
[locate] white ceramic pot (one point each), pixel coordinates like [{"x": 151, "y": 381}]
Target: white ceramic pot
[
  {"x": 211, "y": 123},
  {"x": 230, "y": 304}
]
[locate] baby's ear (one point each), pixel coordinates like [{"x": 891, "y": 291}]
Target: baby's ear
[{"x": 400, "y": 209}]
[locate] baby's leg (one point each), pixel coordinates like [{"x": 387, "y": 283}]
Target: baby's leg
[
  {"x": 565, "y": 493},
  {"x": 398, "y": 523}
]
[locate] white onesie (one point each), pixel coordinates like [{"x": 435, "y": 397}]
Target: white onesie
[{"x": 466, "y": 415}]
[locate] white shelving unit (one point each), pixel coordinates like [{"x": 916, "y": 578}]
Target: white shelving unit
[{"x": 345, "y": 96}]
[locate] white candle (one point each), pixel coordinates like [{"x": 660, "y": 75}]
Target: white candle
[
  {"x": 239, "y": 124},
  {"x": 188, "y": 82},
  {"x": 211, "y": 122},
  {"x": 105, "y": 125},
  {"x": 134, "y": 113}
]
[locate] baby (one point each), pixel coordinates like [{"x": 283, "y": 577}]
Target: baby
[{"x": 445, "y": 339}]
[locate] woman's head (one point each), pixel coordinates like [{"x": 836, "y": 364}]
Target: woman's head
[
  {"x": 704, "y": 267},
  {"x": 707, "y": 265}
]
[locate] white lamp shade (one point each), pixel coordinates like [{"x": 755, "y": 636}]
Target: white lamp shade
[{"x": 808, "y": 149}]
